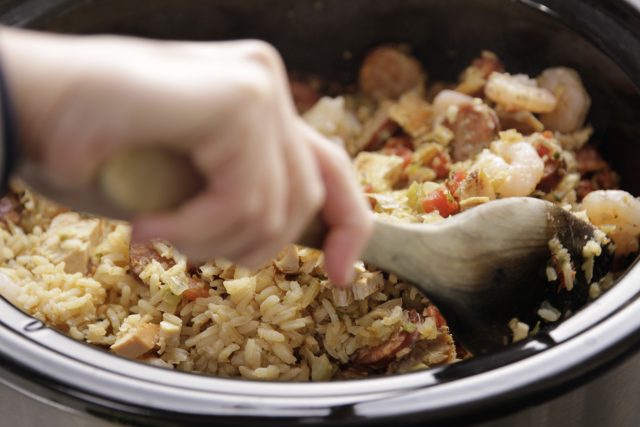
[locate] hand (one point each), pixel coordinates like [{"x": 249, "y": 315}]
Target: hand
[{"x": 227, "y": 105}]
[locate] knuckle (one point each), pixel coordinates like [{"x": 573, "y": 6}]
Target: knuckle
[
  {"x": 340, "y": 157},
  {"x": 316, "y": 195},
  {"x": 264, "y": 54},
  {"x": 260, "y": 73},
  {"x": 257, "y": 87}
]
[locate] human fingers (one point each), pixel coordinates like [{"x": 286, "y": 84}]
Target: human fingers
[
  {"x": 345, "y": 211},
  {"x": 306, "y": 199}
]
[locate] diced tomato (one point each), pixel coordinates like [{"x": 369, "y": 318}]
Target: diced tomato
[
  {"x": 442, "y": 201},
  {"x": 432, "y": 311},
  {"x": 400, "y": 146},
  {"x": 454, "y": 182},
  {"x": 562, "y": 284},
  {"x": 543, "y": 150},
  {"x": 367, "y": 188},
  {"x": 399, "y": 141},
  {"x": 194, "y": 293},
  {"x": 441, "y": 164}
]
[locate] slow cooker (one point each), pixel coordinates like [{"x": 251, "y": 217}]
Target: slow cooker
[{"x": 585, "y": 372}]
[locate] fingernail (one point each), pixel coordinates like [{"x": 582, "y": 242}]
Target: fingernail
[
  {"x": 346, "y": 279},
  {"x": 349, "y": 277}
]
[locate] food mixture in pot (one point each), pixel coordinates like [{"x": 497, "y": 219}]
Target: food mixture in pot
[{"x": 423, "y": 151}]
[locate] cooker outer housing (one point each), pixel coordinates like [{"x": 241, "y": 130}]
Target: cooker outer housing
[{"x": 586, "y": 372}]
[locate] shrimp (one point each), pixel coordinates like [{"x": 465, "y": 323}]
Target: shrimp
[
  {"x": 519, "y": 92},
  {"x": 615, "y": 208},
  {"x": 447, "y": 102},
  {"x": 514, "y": 167},
  {"x": 573, "y": 100}
]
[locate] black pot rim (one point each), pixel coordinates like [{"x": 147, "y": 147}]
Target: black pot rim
[{"x": 93, "y": 380}]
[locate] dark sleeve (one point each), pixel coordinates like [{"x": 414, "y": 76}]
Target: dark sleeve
[{"x": 8, "y": 143}]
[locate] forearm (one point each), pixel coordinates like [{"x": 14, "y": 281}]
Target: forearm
[{"x": 33, "y": 69}]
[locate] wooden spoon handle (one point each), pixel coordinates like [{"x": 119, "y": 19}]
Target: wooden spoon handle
[
  {"x": 152, "y": 179},
  {"x": 149, "y": 179}
]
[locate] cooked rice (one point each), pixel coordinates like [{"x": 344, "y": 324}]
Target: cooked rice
[{"x": 273, "y": 324}]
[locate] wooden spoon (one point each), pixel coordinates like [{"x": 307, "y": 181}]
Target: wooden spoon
[
  {"x": 485, "y": 266},
  {"x": 482, "y": 267}
]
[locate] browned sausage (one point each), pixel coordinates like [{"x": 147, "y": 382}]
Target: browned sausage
[
  {"x": 387, "y": 73},
  {"x": 304, "y": 95},
  {"x": 554, "y": 171},
  {"x": 595, "y": 171},
  {"x": 140, "y": 255},
  {"x": 432, "y": 311},
  {"x": 584, "y": 187},
  {"x": 606, "y": 179},
  {"x": 381, "y": 355},
  {"x": 475, "y": 126},
  {"x": 589, "y": 160}
]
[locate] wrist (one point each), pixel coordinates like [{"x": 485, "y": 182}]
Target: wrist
[
  {"x": 8, "y": 138},
  {"x": 36, "y": 70}
]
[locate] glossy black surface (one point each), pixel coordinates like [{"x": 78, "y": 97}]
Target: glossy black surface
[{"x": 313, "y": 36}]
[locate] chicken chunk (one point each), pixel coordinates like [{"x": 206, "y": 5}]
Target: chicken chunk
[
  {"x": 367, "y": 284},
  {"x": 475, "y": 77},
  {"x": 375, "y": 131},
  {"x": 137, "y": 341},
  {"x": 70, "y": 239},
  {"x": 413, "y": 114},
  {"x": 379, "y": 171},
  {"x": 288, "y": 261},
  {"x": 169, "y": 333}
]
